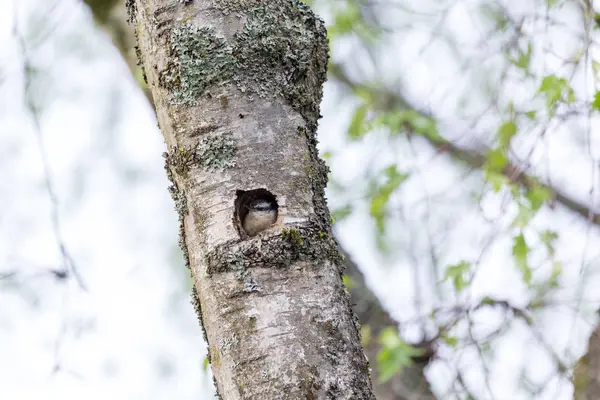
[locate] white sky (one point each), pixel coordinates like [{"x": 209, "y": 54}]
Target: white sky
[{"x": 133, "y": 334}]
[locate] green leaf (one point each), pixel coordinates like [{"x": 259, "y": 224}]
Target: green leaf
[
  {"x": 520, "y": 252},
  {"x": 523, "y": 217},
  {"x": 358, "y": 126},
  {"x": 340, "y": 213},
  {"x": 555, "y": 89},
  {"x": 394, "y": 354},
  {"x": 488, "y": 301},
  {"x": 450, "y": 340},
  {"x": 596, "y": 102},
  {"x": 348, "y": 282},
  {"x": 495, "y": 13},
  {"x": 557, "y": 269},
  {"x": 205, "y": 364},
  {"x": 595, "y": 67},
  {"x": 364, "y": 93},
  {"x": 497, "y": 180},
  {"x": 530, "y": 115},
  {"x": 457, "y": 274},
  {"x": 537, "y": 303},
  {"x": 345, "y": 20},
  {"x": 423, "y": 125},
  {"x": 515, "y": 191},
  {"x": 495, "y": 160},
  {"x": 505, "y": 133},
  {"x": 524, "y": 58},
  {"x": 395, "y": 121},
  {"x": 537, "y": 196},
  {"x": 548, "y": 238},
  {"x": 382, "y": 195},
  {"x": 401, "y": 120},
  {"x": 349, "y": 19}
]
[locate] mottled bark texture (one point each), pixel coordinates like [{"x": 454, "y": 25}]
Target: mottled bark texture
[
  {"x": 586, "y": 376},
  {"x": 237, "y": 86},
  {"x": 411, "y": 383}
]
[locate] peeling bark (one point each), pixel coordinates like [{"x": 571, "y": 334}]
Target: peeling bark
[{"x": 237, "y": 87}]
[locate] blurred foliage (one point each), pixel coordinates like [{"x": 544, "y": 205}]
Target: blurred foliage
[
  {"x": 102, "y": 9},
  {"x": 395, "y": 354},
  {"x": 382, "y": 107},
  {"x": 458, "y": 275},
  {"x": 349, "y": 19}
]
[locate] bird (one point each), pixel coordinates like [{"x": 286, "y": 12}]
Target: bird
[{"x": 261, "y": 214}]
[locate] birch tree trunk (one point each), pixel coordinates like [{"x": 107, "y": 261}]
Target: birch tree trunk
[{"x": 237, "y": 86}]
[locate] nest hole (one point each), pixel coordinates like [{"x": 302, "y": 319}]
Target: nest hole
[{"x": 244, "y": 201}]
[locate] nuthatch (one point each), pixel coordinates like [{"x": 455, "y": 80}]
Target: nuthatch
[{"x": 262, "y": 213}]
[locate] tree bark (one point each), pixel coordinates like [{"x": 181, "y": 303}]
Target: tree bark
[
  {"x": 586, "y": 376},
  {"x": 237, "y": 86}
]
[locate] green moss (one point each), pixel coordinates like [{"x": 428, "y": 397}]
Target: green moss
[
  {"x": 182, "y": 159},
  {"x": 292, "y": 235},
  {"x": 278, "y": 251},
  {"x": 200, "y": 60}
]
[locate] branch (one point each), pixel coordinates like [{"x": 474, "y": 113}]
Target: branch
[
  {"x": 411, "y": 382},
  {"x": 389, "y": 100},
  {"x": 111, "y": 16}
]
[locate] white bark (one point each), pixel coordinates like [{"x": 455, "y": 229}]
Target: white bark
[{"x": 237, "y": 86}]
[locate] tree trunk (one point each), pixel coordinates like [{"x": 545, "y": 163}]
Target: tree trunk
[
  {"x": 237, "y": 86},
  {"x": 586, "y": 376}
]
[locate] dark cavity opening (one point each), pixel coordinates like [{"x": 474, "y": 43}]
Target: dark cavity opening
[{"x": 259, "y": 205}]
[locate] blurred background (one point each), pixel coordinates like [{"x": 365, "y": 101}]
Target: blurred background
[{"x": 464, "y": 149}]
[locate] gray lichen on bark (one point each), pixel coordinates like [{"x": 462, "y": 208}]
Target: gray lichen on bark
[
  {"x": 254, "y": 57},
  {"x": 237, "y": 86},
  {"x": 201, "y": 59}
]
